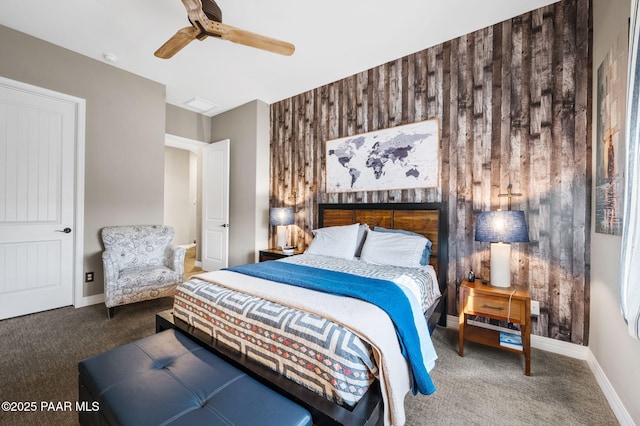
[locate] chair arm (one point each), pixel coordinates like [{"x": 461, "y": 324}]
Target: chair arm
[
  {"x": 175, "y": 259},
  {"x": 111, "y": 266}
]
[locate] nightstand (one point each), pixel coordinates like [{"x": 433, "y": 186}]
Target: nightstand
[
  {"x": 274, "y": 254},
  {"x": 511, "y": 304}
]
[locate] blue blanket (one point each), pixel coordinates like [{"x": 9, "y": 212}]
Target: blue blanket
[{"x": 384, "y": 294}]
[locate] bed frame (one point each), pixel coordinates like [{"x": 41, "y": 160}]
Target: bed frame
[{"x": 427, "y": 219}]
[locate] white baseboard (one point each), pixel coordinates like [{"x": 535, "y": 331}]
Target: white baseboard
[
  {"x": 559, "y": 347},
  {"x": 582, "y": 353},
  {"x": 198, "y": 264},
  {"x": 90, "y": 300},
  {"x": 610, "y": 393}
]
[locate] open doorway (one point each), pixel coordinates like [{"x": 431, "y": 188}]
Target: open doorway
[{"x": 182, "y": 196}]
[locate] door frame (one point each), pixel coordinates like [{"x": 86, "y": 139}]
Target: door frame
[
  {"x": 78, "y": 298},
  {"x": 194, "y": 146}
]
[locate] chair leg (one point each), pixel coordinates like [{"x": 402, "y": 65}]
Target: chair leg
[{"x": 111, "y": 312}]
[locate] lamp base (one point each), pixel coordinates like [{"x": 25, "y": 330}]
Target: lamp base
[
  {"x": 282, "y": 235},
  {"x": 501, "y": 265}
]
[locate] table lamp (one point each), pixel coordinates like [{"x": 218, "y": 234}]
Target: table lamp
[
  {"x": 501, "y": 228},
  {"x": 281, "y": 217}
]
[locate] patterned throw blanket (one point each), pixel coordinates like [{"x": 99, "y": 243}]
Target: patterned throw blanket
[
  {"x": 412, "y": 332},
  {"x": 314, "y": 352}
]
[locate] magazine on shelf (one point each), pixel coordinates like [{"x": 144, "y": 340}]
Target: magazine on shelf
[{"x": 509, "y": 340}]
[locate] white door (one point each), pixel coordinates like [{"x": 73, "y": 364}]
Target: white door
[
  {"x": 37, "y": 181},
  {"x": 215, "y": 206}
]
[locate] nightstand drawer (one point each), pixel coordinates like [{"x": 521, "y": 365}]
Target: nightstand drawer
[{"x": 495, "y": 307}]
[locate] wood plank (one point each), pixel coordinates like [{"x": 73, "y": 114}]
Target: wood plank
[
  {"x": 567, "y": 185},
  {"x": 583, "y": 172},
  {"x": 420, "y": 84},
  {"x": 375, "y": 218},
  {"x": 362, "y": 97},
  {"x": 520, "y": 153},
  {"x": 338, "y": 218},
  {"x": 556, "y": 276},
  {"x": 450, "y": 122},
  {"x": 394, "y": 91},
  {"x": 465, "y": 147}
]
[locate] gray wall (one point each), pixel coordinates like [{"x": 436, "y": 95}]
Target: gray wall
[
  {"x": 616, "y": 352},
  {"x": 125, "y": 126},
  {"x": 188, "y": 124},
  {"x": 247, "y": 127}
]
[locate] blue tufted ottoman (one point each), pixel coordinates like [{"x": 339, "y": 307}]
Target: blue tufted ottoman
[{"x": 169, "y": 379}]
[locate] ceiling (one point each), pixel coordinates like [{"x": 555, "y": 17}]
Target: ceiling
[{"x": 333, "y": 39}]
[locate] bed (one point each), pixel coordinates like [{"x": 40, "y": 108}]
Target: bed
[{"x": 325, "y": 365}]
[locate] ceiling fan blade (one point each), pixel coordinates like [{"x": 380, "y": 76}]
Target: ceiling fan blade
[
  {"x": 236, "y": 35},
  {"x": 259, "y": 41},
  {"x": 177, "y": 42}
]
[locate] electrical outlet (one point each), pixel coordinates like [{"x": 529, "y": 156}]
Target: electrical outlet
[
  {"x": 535, "y": 308},
  {"x": 88, "y": 277}
]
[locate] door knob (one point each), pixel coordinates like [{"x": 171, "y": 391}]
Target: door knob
[
  {"x": 65, "y": 230},
  {"x": 225, "y": 225}
]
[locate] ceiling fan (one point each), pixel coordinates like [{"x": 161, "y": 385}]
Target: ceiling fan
[{"x": 206, "y": 21}]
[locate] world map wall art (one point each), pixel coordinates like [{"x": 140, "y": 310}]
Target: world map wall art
[{"x": 402, "y": 157}]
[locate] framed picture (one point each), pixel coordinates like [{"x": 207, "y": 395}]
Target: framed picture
[
  {"x": 402, "y": 157},
  {"x": 610, "y": 144}
]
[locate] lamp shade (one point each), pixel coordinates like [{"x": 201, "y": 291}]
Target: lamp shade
[
  {"x": 502, "y": 226},
  {"x": 281, "y": 216}
]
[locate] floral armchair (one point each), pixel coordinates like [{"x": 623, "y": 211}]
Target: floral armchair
[{"x": 140, "y": 264}]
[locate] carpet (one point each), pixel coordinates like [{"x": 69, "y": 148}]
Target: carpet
[{"x": 40, "y": 353}]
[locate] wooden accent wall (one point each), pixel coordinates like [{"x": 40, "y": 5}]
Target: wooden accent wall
[{"x": 514, "y": 104}]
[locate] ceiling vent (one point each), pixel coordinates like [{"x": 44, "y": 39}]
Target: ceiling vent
[{"x": 201, "y": 106}]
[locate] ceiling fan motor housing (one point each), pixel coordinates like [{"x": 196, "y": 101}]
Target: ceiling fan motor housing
[{"x": 211, "y": 9}]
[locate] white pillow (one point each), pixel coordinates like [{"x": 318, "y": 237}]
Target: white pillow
[
  {"x": 335, "y": 241},
  {"x": 387, "y": 248}
]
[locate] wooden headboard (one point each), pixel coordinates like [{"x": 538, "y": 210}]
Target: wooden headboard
[{"x": 426, "y": 219}]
